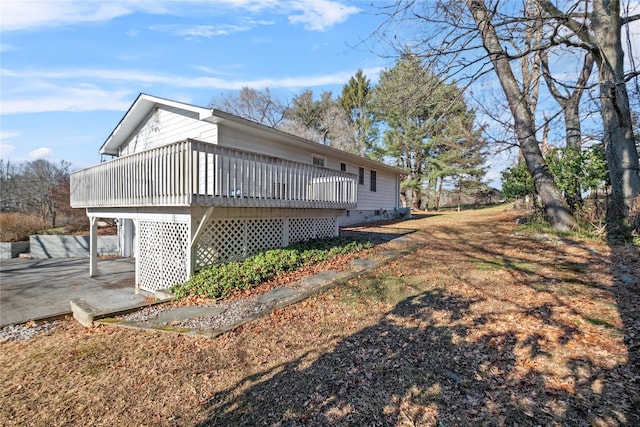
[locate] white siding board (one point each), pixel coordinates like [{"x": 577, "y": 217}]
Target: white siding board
[
  {"x": 166, "y": 125},
  {"x": 385, "y": 196},
  {"x": 234, "y": 138}
]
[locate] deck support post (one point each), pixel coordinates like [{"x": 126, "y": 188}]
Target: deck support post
[
  {"x": 93, "y": 246},
  {"x": 136, "y": 254},
  {"x": 195, "y": 237}
]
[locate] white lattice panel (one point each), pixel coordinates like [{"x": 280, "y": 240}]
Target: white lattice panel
[
  {"x": 325, "y": 227},
  {"x": 226, "y": 239},
  {"x": 222, "y": 240},
  {"x": 163, "y": 254},
  {"x": 301, "y": 229},
  {"x": 263, "y": 234}
]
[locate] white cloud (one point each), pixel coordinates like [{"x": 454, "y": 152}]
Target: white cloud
[
  {"x": 210, "y": 70},
  {"x": 134, "y": 76},
  {"x": 4, "y": 135},
  {"x": 6, "y": 149},
  {"x": 81, "y": 98},
  {"x": 40, "y": 153},
  {"x": 205, "y": 31},
  {"x": 49, "y": 90},
  {"x": 318, "y": 15},
  {"x": 7, "y": 48},
  {"x": 24, "y": 15}
]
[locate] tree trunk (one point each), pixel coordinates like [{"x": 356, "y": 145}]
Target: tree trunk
[
  {"x": 620, "y": 149},
  {"x": 604, "y": 41},
  {"x": 430, "y": 202},
  {"x": 439, "y": 196},
  {"x": 417, "y": 199},
  {"x": 555, "y": 206}
]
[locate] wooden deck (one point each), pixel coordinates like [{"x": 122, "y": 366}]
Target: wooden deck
[{"x": 195, "y": 173}]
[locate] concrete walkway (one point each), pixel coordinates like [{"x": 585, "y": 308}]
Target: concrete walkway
[
  {"x": 47, "y": 288},
  {"x": 33, "y": 289}
]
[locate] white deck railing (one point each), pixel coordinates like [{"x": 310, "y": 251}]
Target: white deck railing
[{"x": 194, "y": 173}]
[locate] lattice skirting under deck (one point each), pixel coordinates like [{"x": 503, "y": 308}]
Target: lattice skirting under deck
[
  {"x": 163, "y": 254},
  {"x": 227, "y": 239}
]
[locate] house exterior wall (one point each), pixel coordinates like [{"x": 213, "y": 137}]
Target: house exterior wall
[
  {"x": 248, "y": 141},
  {"x": 170, "y": 243},
  {"x": 386, "y": 194},
  {"x": 166, "y": 125},
  {"x": 387, "y": 184}
]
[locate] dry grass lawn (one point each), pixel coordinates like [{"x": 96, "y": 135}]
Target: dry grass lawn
[{"x": 482, "y": 326}]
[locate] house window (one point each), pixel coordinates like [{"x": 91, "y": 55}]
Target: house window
[
  {"x": 373, "y": 181},
  {"x": 361, "y": 176},
  {"x": 343, "y": 167},
  {"x": 318, "y": 161}
]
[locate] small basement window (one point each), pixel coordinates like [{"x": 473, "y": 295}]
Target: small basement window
[
  {"x": 373, "y": 183},
  {"x": 319, "y": 161}
]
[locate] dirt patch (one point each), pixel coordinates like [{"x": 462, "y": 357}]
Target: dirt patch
[{"x": 482, "y": 326}]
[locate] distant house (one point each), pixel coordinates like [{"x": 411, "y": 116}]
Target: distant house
[{"x": 193, "y": 186}]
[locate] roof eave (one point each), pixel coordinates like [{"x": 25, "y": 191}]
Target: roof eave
[
  {"x": 218, "y": 116},
  {"x": 143, "y": 104}
]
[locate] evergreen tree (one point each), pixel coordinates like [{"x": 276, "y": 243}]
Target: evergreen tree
[
  {"x": 517, "y": 182},
  {"x": 355, "y": 101},
  {"x": 429, "y": 129}
]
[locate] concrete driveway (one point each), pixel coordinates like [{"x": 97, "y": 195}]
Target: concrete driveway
[{"x": 33, "y": 289}]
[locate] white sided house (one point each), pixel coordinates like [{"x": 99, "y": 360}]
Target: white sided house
[{"x": 193, "y": 186}]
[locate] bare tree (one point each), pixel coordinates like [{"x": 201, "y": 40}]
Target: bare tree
[
  {"x": 569, "y": 101},
  {"x": 323, "y": 120},
  {"x": 39, "y": 184},
  {"x": 259, "y": 106},
  {"x": 556, "y": 208},
  {"x": 598, "y": 29},
  {"x": 454, "y": 34},
  {"x": 9, "y": 194}
]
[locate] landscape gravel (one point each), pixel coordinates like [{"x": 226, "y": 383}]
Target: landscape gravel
[
  {"x": 24, "y": 332},
  {"x": 234, "y": 312}
]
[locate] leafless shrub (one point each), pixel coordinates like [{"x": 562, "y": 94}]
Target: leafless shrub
[{"x": 16, "y": 227}]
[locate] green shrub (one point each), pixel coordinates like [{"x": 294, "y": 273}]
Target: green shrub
[{"x": 221, "y": 280}]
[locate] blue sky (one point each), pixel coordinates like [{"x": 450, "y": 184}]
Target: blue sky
[{"x": 70, "y": 69}]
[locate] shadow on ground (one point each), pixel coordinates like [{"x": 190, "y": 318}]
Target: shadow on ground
[{"x": 426, "y": 363}]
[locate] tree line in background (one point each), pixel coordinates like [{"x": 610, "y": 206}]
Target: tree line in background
[
  {"x": 530, "y": 48},
  {"x": 37, "y": 189},
  {"x": 419, "y": 116},
  {"x": 411, "y": 119}
]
